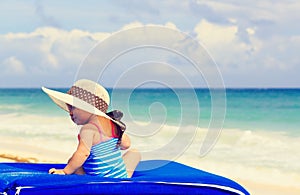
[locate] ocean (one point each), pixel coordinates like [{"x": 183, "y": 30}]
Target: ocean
[{"x": 259, "y": 137}]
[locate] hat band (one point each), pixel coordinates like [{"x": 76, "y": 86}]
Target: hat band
[{"x": 88, "y": 97}]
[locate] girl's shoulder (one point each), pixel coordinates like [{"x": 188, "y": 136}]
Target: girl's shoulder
[{"x": 90, "y": 126}]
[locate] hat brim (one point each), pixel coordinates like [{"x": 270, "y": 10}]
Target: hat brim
[{"x": 62, "y": 99}]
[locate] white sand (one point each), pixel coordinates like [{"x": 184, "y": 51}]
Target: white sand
[{"x": 14, "y": 151}]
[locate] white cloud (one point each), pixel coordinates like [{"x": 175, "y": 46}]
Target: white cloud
[
  {"x": 250, "y": 31},
  {"x": 50, "y": 51},
  {"x": 132, "y": 25},
  {"x": 222, "y": 42},
  {"x": 171, "y": 25},
  {"x": 49, "y": 48},
  {"x": 13, "y": 66},
  {"x": 234, "y": 54},
  {"x": 214, "y": 34},
  {"x": 45, "y": 52},
  {"x": 237, "y": 46}
]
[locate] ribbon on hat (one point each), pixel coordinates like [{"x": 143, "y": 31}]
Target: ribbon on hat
[{"x": 88, "y": 97}]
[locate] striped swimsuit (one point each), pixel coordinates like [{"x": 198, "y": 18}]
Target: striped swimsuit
[{"x": 105, "y": 160}]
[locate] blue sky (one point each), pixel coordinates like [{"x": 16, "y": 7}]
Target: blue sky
[{"x": 254, "y": 43}]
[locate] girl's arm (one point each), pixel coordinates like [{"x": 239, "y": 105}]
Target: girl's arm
[
  {"x": 77, "y": 159},
  {"x": 79, "y": 156},
  {"x": 125, "y": 142}
]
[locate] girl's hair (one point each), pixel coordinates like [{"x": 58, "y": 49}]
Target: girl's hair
[{"x": 120, "y": 127}]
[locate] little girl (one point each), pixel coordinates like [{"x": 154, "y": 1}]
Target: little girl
[{"x": 101, "y": 136}]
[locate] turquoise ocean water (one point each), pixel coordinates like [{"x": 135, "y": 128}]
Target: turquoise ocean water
[
  {"x": 246, "y": 109},
  {"x": 261, "y": 130}
]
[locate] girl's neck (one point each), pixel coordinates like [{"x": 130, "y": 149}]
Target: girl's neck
[
  {"x": 104, "y": 124},
  {"x": 93, "y": 119}
]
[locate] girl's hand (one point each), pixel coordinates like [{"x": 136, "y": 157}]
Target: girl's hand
[{"x": 57, "y": 171}]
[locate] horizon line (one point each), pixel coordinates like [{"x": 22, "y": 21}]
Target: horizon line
[{"x": 246, "y": 87}]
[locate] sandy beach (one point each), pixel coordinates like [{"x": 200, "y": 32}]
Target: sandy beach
[{"x": 16, "y": 152}]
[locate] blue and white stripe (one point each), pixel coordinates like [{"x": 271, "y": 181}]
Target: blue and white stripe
[{"x": 106, "y": 160}]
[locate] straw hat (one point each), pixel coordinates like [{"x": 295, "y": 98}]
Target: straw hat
[{"x": 86, "y": 95}]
